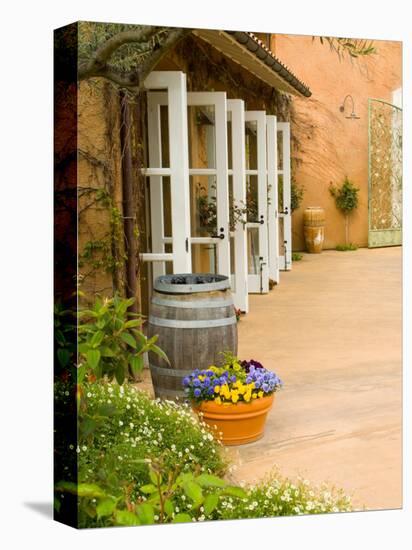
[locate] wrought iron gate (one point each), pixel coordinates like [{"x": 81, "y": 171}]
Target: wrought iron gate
[{"x": 385, "y": 174}]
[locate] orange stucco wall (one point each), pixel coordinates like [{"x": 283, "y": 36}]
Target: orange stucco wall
[{"x": 331, "y": 146}]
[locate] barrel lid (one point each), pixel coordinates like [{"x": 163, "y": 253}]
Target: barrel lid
[{"x": 184, "y": 283}]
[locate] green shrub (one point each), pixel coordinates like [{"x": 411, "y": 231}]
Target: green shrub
[
  {"x": 296, "y": 195},
  {"x": 143, "y": 461},
  {"x": 346, "y": 247},
  {"x": 120, "y": 428},
  {"x": 346, "y": 196},
  {"x": 110, "y": 341},
  {"x": 296, "y": 256},
  {"x": 279, "y": 496}
]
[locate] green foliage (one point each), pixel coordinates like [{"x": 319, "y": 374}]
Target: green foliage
[
  {"x": 346, "y": 196},
  {"x": 121, "y": 431},
  {"x": 159, "y": 501},
  {"x": 296, "y": 256},
  {"x": 352, "y": 47},
  {"x": 110, "y": 341},
  {"x": 151, "y": 461},
  {"x": 296, "y": 195},
  {"x": 238, "y": 213},
  {"x": 279, "y": 496},
  {"x": 104, "y": 253},
  {"x": 64, "y": 337},
  {"x": 346, "y": 247},
  {"x": 128, "y": 57}
]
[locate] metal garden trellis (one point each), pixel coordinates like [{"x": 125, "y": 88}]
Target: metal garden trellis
[{"x": 385, "y": 174}]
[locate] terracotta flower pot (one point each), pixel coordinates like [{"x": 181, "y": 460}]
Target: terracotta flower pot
[{"x": 239, "y": 423}]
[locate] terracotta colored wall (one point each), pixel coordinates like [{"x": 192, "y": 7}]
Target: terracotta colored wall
[{"x": 332, "y": 146}]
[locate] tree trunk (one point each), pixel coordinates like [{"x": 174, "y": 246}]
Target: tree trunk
[
  {"x": 129, "y": 211},
  {"x": 346, "y": 229}
]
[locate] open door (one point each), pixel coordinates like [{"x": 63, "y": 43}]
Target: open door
[
  {"x": 208, "y": 182},
  {"x": 256, "y": 199},
  {"x": 273, "y": 222},
  {"x": 284, "y": 210},
  {"x": 237, "y": 201},
  {"x": 168, "y": 174}
]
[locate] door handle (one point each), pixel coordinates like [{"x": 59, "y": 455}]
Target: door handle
[
  {"x": 285, "y": 211},
  {"x": 220, "y": 236},
  {"x": 262, "y": 220}
]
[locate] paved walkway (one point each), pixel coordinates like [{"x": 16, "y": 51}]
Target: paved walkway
[{"x": 332, "y": 331}]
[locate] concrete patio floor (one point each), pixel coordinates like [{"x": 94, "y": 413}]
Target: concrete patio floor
[{"x": 332, "y": 331}]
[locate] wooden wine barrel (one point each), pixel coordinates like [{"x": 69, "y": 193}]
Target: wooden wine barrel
[
  {"x": 314, "y": 228},
  {"x": 194, "y": 317}
]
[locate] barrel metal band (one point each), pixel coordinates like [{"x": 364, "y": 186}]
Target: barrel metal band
[
  {"x": 169, "y": 372},
  {"x": 205, "y": 323},
  {"x": 192, "y": 304},
  {"x": 185, "y": 289}
]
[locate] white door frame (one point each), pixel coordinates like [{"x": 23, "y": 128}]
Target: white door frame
[
  {"x": 176, "y": 99},
  {"x": 273, "y": 221},
  {"x": 259, "y": 283},
  {"x": 236, "y": 110},
  {"x": 222, "y": 238},
  {"x": 285, "y": 258}
]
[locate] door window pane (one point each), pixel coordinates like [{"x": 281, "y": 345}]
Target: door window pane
[
  {"x": 253, "y": 250},
  {"x": 252, "y": 199},
  {"x": 164, "y": 133},
  {"x": 280, "y": 192},
  {"x": 251, "y": 145},
  {"x": 167, "y": 207},
  {"x": 203, "y": 203},
  {"x": 204, "y": 258},
  {"x": 202, "y": 136},
  {"x": 280, "y": 150}
]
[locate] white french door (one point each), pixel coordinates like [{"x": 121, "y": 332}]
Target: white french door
[
  {"x": 256, "y": 191},
  {"x": 237, "y": 201},
  {"x": 208, "y": 182},
  {"x": 273, "y": 222},
  {"x": 168, "y": 173},
  {"x": 284, "y": 184}
]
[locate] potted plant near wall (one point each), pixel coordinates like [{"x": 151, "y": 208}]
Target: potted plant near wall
[{"x": 234, "y": 399}]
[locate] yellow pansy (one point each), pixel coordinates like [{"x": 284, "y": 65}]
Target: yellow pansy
[
  {"x": 218, "y": 400},
  {"x": 235, "y": 397},
  {"x": 254, "y": 395},
  {"x": 260, "y": 394},
  {"x": 217, "y": 389}
]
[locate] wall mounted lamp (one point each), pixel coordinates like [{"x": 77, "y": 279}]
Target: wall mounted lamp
[{"x": 353, "y": 115}]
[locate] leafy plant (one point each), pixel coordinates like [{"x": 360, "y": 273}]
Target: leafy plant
[
  {"x": 238, "y": 213},
  {"x": 120, "y": 427},
  {"x": 64, "y": 337},
  {"x": 352, "y": 47},
  {"x": 346, "y": 247},
  {"x": 296, "y": 195},
  {"x": 111, "y": 342},
  {"x": 159, "y": 499},
  {"x": 280, "y": 496},
  {"x": 296, "y": 256},
  {"x": 346, "y": 200}
]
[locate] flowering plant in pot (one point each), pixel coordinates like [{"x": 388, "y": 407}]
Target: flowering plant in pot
[{"x": 234, "y": 399}]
